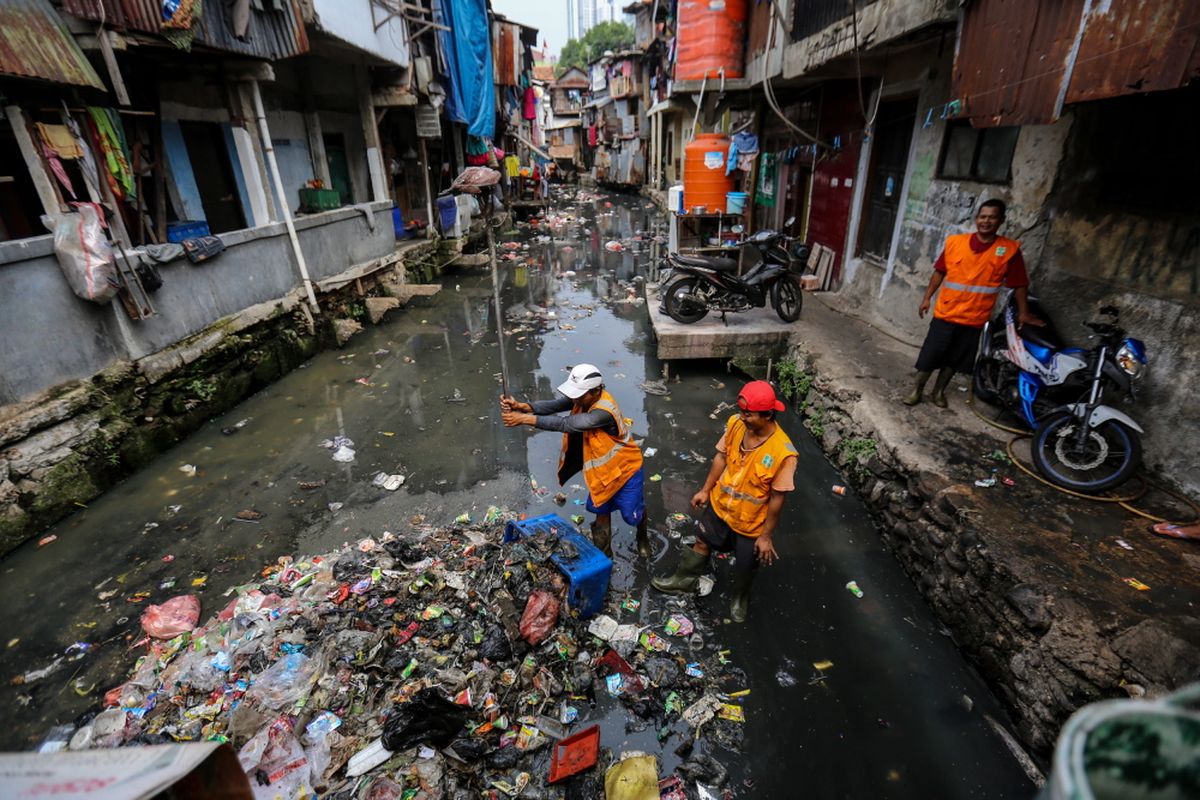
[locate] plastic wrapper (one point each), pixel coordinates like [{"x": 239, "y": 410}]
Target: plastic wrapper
[
  {"x": 287, "y": 681},
  {"x": 276, "y": 763},
  {"x": 178, "y": 615},
  {"x": 85, "y": 256},
  {"x": 540, "y": 617},
  {"x": 428, "y": 717}
]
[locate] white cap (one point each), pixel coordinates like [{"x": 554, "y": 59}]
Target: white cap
[{"x": 583, "y": 378}]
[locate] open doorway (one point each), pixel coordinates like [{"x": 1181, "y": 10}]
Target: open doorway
[
  {"x": 339, "y": 165},
  {"x": 213, "y": 168},
  {"x": 885, "y": 178}
]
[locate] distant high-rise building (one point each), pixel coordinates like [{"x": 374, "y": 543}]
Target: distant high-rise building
[
  {"x": 572, "y": 20},
  {"x": 585, "y": 16}
]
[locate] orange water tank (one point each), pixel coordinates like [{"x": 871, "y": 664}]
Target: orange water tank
[
  {"x": 705, "y": 183},
  {"x": 711, "y": 35}
]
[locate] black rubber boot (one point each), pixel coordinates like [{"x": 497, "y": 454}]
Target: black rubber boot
[
  {"x": 643, "y": 541},
  {"x": 687, "y": 575},
  {"x": 739, "y": 600},
  {"x": 602, "y": 538},
  {"x": 918, "y": 389},
  {"x": 939, "y": 387}
]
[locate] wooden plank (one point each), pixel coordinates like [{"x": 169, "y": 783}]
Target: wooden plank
[{"x": 33, "y": 162}]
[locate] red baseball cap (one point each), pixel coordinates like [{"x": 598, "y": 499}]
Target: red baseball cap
[{"x": 758, "y": 396}]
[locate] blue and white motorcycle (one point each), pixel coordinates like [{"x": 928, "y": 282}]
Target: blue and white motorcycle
[{"x": 1079, "y": 443}]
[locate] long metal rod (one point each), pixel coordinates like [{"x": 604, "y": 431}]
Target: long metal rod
[
  {"x": 265, "y": 134},
  {"x": 491, "y": 240}
]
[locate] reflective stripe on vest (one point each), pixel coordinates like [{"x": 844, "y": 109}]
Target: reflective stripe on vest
[
  {"x": 758, "y": 501},
  {"x": 965, "y": 287}
]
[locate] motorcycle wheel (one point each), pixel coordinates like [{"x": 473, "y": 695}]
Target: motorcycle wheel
[
  {"x": 788, "y": 298},
  {"x": 681, "y": 306},
  {"x": 1109, "y": 457}
]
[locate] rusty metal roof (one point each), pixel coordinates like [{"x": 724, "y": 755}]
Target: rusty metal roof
[
  {"x": 272, "y": 35},
  {"x": 1018, "y": 63},
  {"x": 34, "y": 43}
]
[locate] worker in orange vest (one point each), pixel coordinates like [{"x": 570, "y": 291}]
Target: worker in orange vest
[
  {"x": 751, "y": 474},
  {"x": 597, "y": 439},
  {"x": 970, "y": 273}
]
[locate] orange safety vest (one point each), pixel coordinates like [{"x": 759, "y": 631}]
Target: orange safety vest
[
  {"x": 972, "y": 279},
  {"x": 608, "y": 461},
  {"x": 741, "y": 493}
]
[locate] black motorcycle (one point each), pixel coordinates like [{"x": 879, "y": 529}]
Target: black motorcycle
[{"x": 695, "y": 285}]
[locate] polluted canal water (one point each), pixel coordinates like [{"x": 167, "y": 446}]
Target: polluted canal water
[{"x": 850, "y": 694}]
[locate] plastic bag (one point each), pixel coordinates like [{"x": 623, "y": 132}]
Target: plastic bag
[
  {"x": 276, "y": 763},
  {"x": 84, "y": 254},
  {"x": 634, "y": 778},
  {"x": 428, "y": 717},
  {"x": 541, "y": 614},
  {"x": 286, "y": 681},
  {"x": 178, "y": 615}
]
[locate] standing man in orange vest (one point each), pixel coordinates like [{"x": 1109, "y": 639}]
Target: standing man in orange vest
[
  {"x": 970, "y": 272},
  {"x": 743, "y": 494},
  {"x": 596, "y": 438}
]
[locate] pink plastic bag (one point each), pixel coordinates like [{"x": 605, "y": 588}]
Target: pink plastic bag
[
  {"x": 541, "y": 613},
  {"x": 177, "y": 615}
]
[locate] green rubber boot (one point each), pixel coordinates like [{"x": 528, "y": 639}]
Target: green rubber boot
[
  {"x": 687, "y": 576},
  {"x": 643, "y": 541},
  {"x": 602, "y": 538},
  {"x": 939, "y": 387},
  {"x": 918, "y": 389},
  {"x": 739, "y": 601}
]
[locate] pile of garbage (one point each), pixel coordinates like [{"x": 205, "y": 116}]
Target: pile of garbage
[{"x": 444, "y": 663}]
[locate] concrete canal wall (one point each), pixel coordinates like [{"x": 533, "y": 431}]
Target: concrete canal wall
[{"x": 88, "y": 396}]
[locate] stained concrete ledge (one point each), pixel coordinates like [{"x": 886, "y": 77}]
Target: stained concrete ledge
[{"x": 756, "y": 334}]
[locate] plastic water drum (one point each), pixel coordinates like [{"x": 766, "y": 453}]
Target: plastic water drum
[
  {"x": 448, "y": 216},
  {"x": 705, "y": 184},
  {"x": 587, "y": 569},
  {"x": 711, "y": 37}
]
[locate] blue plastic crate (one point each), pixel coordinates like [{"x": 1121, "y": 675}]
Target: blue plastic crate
[
  {"x": 588, "y": 573},
  {"x": 187, "y": 229}
]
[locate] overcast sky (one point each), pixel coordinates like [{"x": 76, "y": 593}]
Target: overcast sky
[{"x": 548, "y": 16}]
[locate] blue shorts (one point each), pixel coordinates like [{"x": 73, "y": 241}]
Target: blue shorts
[{"x": 628, "y": 500}]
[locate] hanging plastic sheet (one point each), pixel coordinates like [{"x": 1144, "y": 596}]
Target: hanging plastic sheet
[{"x": 468, "y": 49}]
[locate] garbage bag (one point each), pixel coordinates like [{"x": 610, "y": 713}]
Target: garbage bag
[
  {"x": 704, "y": 769},
  {"x": 178, "y": 615},
  {"x": 84, "y": 254},
  {"x": 541, "y": 614},
  {"x": 495, "y": 646},
  {"x": 428, "y": 717}
]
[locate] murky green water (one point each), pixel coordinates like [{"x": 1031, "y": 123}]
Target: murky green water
[{"x": 417, "y": 396}]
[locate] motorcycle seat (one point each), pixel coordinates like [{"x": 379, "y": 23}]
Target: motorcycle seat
[
  {"x": 704, "y": 262},
  {"x": 1041, "y": 337}
]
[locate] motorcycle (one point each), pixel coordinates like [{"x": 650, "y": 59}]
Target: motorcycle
[
  {"x": 694, "y": 285},
  {"x": 1078, "y": 442}
]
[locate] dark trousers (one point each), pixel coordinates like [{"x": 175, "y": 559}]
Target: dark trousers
[{"x": 948, "y": 344}]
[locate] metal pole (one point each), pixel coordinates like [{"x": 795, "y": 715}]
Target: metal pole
[
  {"x": 264, "y": 133},
  {"x": 491, "y": 240}
]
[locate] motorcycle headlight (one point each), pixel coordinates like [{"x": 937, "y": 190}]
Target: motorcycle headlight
[{"x": 1130, "y": 361}]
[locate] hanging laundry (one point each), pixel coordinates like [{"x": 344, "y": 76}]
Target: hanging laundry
[
  {"x": 59, "y": 139},
  {"x": 512, "y": 165},
  {"x": 530, "y": 104},
  {"x": 764, "y": 192},
  {"x": 109, "y": 134},
  {"x": 181, "y": 19},
  {"x": 57, "y": 168},
  {"x": 478, "y": 150}
]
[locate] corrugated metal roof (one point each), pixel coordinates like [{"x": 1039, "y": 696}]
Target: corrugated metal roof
[
  {"x": 1018, "y": 62},
  {"x": 272, "y": 34},
  {"x": 34, "y": 43}
]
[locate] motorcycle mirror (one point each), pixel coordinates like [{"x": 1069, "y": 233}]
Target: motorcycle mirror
[
  {"x": 790, "y": 221},
  {"x": 737, "y": 229}
]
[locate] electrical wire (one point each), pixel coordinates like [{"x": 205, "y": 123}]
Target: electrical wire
[{"x": 769, "y": 91}]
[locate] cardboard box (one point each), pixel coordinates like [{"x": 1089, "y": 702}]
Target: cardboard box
[{"x": 191, "y": 771}]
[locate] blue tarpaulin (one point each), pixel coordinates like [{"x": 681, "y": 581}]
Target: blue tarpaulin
[{"x": 468, "y": 47}]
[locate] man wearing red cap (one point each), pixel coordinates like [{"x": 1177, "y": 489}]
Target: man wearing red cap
[{"x": 743, "y": 494}]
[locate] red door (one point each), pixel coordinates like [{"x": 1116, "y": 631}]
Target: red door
[{"x": 833, "y": 178}]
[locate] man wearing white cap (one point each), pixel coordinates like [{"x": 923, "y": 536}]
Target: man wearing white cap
[{"x": 597, "y": 440}]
